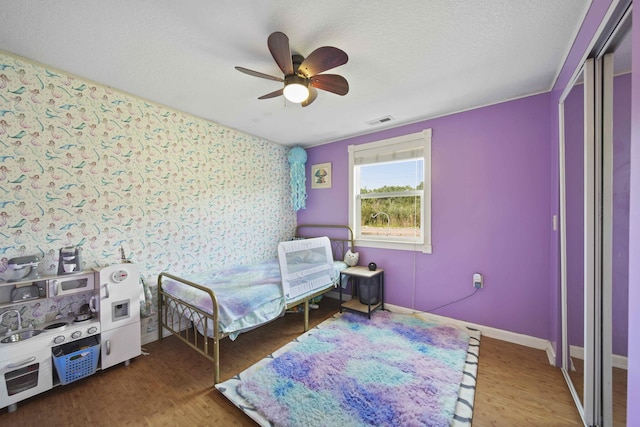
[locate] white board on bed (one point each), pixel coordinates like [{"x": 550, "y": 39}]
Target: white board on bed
[{"x": 305, "y": 265}]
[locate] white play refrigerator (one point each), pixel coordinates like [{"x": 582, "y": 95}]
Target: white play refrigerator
[{"x": 119, "y": 296}]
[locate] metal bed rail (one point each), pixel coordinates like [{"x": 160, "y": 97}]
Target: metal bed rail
[
  {"x": 341, "y": 241},
  {"x": 182, "y": 320}
]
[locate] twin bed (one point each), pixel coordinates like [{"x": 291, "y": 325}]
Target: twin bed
[{"x": 201, "y": 309}]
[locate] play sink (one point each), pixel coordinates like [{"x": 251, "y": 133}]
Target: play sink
[{"x": 20, "y": 336}]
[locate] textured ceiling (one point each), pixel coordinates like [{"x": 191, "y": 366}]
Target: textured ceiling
[{"x": 408, "y": 59}]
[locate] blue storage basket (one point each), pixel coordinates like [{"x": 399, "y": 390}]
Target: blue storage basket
[{"x": 77, "y": 365}]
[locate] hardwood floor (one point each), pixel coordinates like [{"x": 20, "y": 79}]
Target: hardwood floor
[
  {"x": 173, "y": 386},
  {"x": 517, "y": 387},
  {"x": 619, "y": 390}
]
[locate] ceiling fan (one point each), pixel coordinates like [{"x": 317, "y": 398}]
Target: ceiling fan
[{"x": 302, "y": 75}]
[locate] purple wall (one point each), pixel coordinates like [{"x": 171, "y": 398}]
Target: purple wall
[
  {"x": 633, "y": 374},
  {"x": 490, "y": 214}
]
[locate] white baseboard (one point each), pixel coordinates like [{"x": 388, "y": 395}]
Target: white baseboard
[
  {"x": 512, "y": 337},
  {"x": 617, "y": 361}
]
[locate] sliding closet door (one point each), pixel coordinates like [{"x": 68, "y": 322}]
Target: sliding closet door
[
  {"x": 606, "y": 65},
  {"x": 571, "y": 154},
  {"x": 577, "y": 226},
  {"x": 615, "y": 63},
  {"x": 592, "y": 251},
  {"x": 594, "y": 218},
  {"x": 594, "y": 191},
  {"x": 598, "y": 241},
  {"x": 583, "y": 157}
]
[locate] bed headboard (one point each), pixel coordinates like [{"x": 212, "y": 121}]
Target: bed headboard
[{"x": 341, "y": 236}]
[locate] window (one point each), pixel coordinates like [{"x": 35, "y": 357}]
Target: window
[{"x": 390, "y": 192}]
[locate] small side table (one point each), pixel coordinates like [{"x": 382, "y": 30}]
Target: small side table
[{"x": 373, "y": 279}]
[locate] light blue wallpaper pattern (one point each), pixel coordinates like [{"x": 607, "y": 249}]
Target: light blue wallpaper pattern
[{"x": 83, "y": 164}]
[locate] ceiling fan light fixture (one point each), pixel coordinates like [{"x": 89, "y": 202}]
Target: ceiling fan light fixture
[
  {"x": 296, "y": 88},
  {"x": 303, "y": 76}
]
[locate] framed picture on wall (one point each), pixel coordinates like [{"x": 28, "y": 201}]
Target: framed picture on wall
[{"x": 321, "y": 175}]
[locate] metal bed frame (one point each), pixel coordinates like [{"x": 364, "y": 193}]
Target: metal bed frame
[{"x": 182, "y": 319}]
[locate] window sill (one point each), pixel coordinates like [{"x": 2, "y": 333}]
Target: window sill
[{"x": 416, "y": 247}]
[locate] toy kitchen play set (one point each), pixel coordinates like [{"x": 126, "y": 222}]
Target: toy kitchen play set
[{"x": 45, "y": 345}]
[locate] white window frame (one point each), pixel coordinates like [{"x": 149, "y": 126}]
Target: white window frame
[{"x": 424, "y": 244}]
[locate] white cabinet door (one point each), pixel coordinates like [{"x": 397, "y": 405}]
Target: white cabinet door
[{"x": 120, "y": 344}]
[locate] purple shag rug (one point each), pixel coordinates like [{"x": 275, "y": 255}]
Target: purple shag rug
[{"x": 390, "y": 370}]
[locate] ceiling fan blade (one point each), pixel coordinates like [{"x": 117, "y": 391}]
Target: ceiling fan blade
[
  {"x": 322, "y": 59},
  {"x": 313, "y": 94},
  {"x": 331, "y": 83},
  {"x": 257, "y": 74},
  {"x": 279, "y": 47},
  {"x": 272, "y": 94}
]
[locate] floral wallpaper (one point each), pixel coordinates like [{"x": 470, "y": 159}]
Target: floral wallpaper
[{"x": 85, "y": 165}]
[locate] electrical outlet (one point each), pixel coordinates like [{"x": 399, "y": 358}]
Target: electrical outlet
[{"x": 477, "y": 281}]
